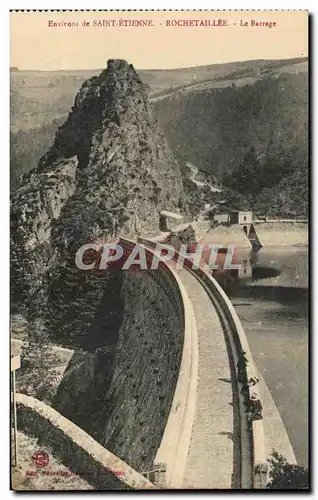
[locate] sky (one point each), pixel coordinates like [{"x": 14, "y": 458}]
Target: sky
[{"x": 36, "y": 46}]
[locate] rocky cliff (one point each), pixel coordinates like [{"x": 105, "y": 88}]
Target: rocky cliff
[{"x": 108, "y": 173}]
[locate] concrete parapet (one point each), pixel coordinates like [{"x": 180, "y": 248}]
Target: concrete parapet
[
  {"x": 259, "y": 459},
  {"x": 260, "y": 467}
]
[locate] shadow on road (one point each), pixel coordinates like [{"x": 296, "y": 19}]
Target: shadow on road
[{"x": 227, "y": 380}]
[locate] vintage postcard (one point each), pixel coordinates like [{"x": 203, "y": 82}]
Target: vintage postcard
[{"x": 159, "y": 250}]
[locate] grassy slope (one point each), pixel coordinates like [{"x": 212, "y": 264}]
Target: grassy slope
[
  {"x": 22, "y": 482},
  {"x": 38, "y": 97}
]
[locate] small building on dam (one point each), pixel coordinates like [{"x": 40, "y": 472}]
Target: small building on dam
[
  {"x": 225, "y": 215},
  {"x": 240, "y": 217}
]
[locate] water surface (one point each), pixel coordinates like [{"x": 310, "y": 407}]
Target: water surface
[{"x": 273, "y": 308}]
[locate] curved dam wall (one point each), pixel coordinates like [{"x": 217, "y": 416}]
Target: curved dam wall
[
  {"x": 126, "y": 389},
  {"x": 146, "y": 367}
]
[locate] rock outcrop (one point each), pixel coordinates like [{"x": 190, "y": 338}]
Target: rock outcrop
[{"x": 108, "y": 173}]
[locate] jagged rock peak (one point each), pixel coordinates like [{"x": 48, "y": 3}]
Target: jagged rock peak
[
  {"x": 116, "y": 81},
  {"x": 112, "y": 98},
  {"x": 108, "y": 173},
  {"x": 119, "y": 68}
]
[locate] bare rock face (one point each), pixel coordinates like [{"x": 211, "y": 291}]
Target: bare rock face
[
  {"x": 108, "y": 173},
  {"x": 36, "y": 207},
  {"x": 125, "y": 173}
]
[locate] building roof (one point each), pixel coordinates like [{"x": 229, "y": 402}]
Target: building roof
[
  {"x": 208, "y": 210},
  {"x": 172, "y": 215},
  {"x": 218, "y": 209},
  {"x": 241, "y": 211}
]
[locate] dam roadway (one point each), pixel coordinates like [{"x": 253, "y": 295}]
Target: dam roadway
[
  {"x": 225, "y": 450},
  {"x": 213, "y": 444}
]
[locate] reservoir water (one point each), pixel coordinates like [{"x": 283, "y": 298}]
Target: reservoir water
[{"x": 273, "y": 308}]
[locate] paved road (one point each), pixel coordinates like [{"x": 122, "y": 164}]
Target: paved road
[{"x": 213, "y": 460}]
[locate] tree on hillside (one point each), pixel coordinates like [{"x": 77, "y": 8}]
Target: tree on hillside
[
  {"x": 286, "y": 476},
  {"x": 277, "y": 164},
  {"x": 235, "y": 200},
  {"x": 292, "y": 193},
  {"x": 245, "y": 178},
  {"x": 265, "y": 203},
  {"x": 276, "y": 182}
]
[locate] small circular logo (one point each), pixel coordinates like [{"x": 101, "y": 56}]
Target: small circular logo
[{"x": 40, "y": 459}]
